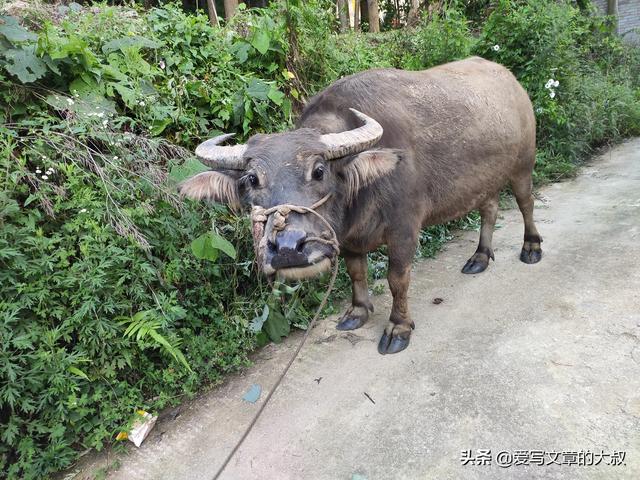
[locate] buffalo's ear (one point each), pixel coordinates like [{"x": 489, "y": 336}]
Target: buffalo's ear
[
  {"x": 366, "y": 167},
  {"x": 215, "y": 186}
]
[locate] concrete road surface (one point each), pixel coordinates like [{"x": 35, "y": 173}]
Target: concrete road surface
[{"x": 518, "y": 360}]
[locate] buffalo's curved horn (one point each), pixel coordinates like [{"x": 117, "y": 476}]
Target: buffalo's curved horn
[
  {"x": 353, "y": 141},
  {"x": 227, "y": 158}
]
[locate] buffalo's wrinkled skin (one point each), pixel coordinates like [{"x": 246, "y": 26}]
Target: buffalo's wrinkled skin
[{"x": 453, "y": 137}]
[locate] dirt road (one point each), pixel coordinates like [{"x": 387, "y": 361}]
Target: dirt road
[{"x": 521, "y": 358}]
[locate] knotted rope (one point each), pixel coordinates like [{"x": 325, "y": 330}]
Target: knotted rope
[{"x": 259, "y": 217}]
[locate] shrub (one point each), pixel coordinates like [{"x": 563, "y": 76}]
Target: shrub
[
  {"x": 439, "y": 39},
  {"x": 166, "y": 72},
  {"x": 576, "y": 72},
  {"x": 90, "y": 237}
]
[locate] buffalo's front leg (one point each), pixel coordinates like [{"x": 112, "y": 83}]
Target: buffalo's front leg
[
  {"x": 361, "y": 305},
  {"x": 398, "y": 332}
]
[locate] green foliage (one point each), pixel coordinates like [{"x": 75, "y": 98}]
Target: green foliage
[
  {"x": 168, "y": 72},
  {"x": 117, "y": 295},
  {"x": 100, "y": 238},
  {"x": 439, "y": 40},
  {"x": 145, "y": 324},
  {"x": 207, "y": 246},
  {"x": 593, "y": 99}
]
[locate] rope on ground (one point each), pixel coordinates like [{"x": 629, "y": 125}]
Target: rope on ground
[{"x": 259, "y": 218}]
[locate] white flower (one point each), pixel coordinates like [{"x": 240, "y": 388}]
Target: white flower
[
  {"x": 105, "y": 122},
  {"x": 549, "y": 83},
  {"x": 556, "y": 83},
  {"x": 84, "y": 210},
  {"x": 45, "y": 177},
  {"x": 162, "y": 64},
  {"x": 115, "y": 158},
  {"x": 552, "y": 94},
  {"x": 496, "y": 48},
  {"x": 38, "y": 170},
  {"x": 141, "y": 103},
  {"x": 100, "y": 115},
  {"x": 70, "y": 101},
  {"x": 539, "y": 110}
]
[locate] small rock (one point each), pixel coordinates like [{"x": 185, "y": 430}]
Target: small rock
[{"x": 253, "y": 394}]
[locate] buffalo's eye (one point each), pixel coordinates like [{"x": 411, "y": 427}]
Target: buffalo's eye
[
  {"x": 318, "y": 173},
  {"x": 252, "y": 180}
]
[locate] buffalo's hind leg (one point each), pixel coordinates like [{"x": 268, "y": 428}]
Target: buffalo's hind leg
[
  {"x": 480, "y": 260},
  {"x": 522, "y": 188},
  {"x": 398, "y": 332},
  {"x": 361, "y": 305}
]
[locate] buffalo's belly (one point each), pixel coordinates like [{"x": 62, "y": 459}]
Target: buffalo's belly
[
  {"x": 445, "y": 213},
  {"x": 459, "y": 198}
]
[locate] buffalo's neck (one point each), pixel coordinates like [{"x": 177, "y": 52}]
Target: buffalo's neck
[{"x": 363, "y": 225}]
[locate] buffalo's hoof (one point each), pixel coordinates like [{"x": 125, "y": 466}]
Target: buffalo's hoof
[
  {"x": 475, "y": 265},
  {"x": 349, "y": 322},
  {"x": 353, "y": 318},
  {"x": 530, "y": 256},
  {"x": 479, "y": 261},
  {"x": 393, "y": 343}
]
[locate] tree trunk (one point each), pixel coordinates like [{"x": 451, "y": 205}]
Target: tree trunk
[
  {"x": 213, "y": 14},
  {"x": 230, "y": 7},
  {"x": 398, "y": 20},
  {"x": 343, "y": 15},
  {"x": 364, "y": 13},
  {"x": 374, "y": 16},
  {"x": 612, "y": 9},
  {"x": 356, "y": 15},
  {"x": 413, "y": 16}
]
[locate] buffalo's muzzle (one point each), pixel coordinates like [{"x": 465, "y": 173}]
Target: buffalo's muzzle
[
  {"x": 295, "y": 254},
  {"x": 287, "y": 250}
]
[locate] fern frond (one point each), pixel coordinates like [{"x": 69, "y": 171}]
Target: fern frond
[{"x": 145, "y": 324}]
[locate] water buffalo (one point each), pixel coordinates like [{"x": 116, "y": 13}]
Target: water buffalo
[{"x": 383, "y": 153}]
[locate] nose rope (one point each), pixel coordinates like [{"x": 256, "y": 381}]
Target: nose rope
[{"x": 260, "y": 216}]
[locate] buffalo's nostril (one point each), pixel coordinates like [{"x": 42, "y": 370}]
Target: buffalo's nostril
[{"x": 290, "y": 240}]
